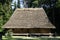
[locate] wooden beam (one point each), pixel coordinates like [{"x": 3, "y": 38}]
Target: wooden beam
[{"x": 25, "y": 34}]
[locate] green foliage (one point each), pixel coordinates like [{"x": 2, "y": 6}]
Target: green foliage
[
  {"x": 15, "y": 5},
  {"x": 18, "y": 4},
  {"x": 5, "y": 12},
  {"x": 58, "y": 4},
  {"x": 37, "y": 3},
  {"x": 9, "y": 35},
  {"x": 1, "y": 17}
]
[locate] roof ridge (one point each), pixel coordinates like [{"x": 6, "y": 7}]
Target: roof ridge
[{"x": 29, "y": 8}]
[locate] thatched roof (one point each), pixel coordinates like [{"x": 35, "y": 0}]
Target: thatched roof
[{"x": 29, "y": 18}]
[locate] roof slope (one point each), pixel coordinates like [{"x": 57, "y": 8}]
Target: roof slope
[{"x": 29, "y": 18}]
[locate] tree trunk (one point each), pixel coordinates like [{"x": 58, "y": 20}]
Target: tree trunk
[{"x": 0, "y": 36}]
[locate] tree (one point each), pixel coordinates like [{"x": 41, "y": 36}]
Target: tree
[
  {"x": 15, "y": 6},
  {"x": 18, "y": 4},
  {"x": 35, "y": 3},
  {"x": 58, "y": 4},
  {"x": 57, "y": 16},
  {"x": 5, "y": 11}
]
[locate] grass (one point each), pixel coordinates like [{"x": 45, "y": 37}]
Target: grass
[
  {"x": 32, "y": 38},
  {"x": 20, "y": 38}
]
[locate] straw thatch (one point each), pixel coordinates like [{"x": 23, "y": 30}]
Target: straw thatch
[{"x": 29, "y": 18}]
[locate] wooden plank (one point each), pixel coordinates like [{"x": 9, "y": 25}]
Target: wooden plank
[
  {"x": 20, "y": 33},
  {"x": 32, "y": 34}
]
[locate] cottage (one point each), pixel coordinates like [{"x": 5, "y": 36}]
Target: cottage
[{"x": 29, "y": 21}]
